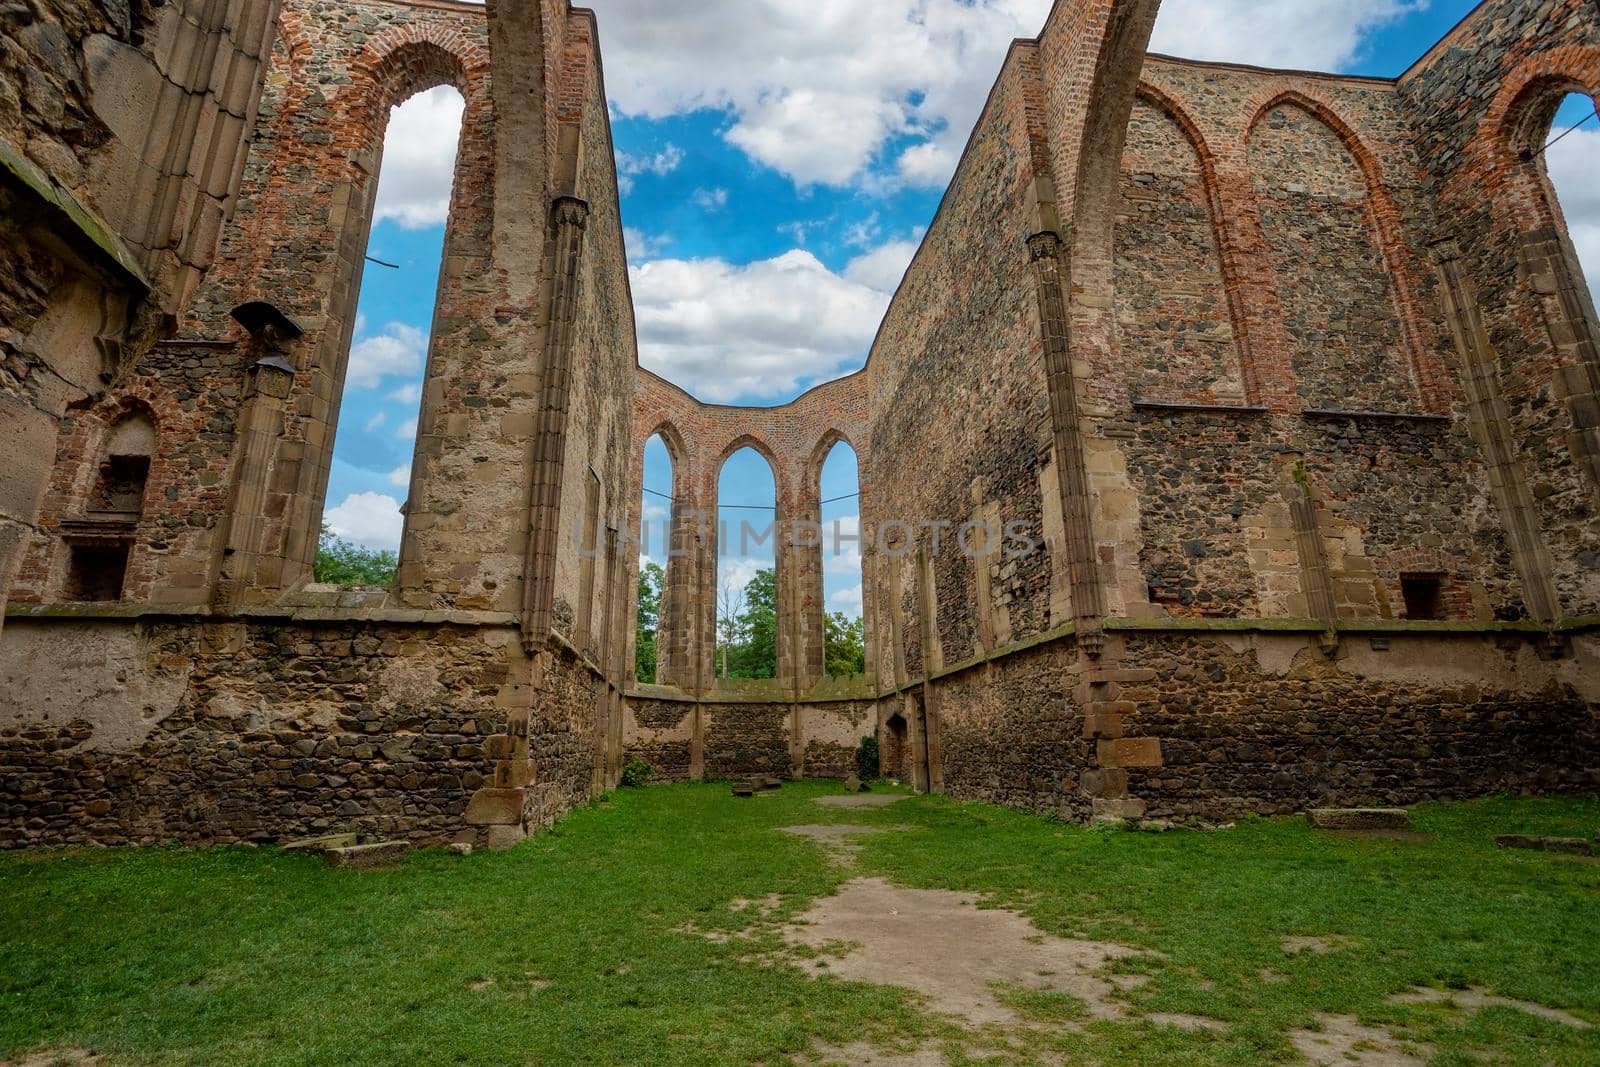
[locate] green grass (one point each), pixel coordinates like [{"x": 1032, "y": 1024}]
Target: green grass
[{"x": 587, "y": 936}]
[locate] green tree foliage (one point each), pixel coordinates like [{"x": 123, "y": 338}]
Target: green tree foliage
[
  {"x": 845, "y": 647},
  {"x": 755, "y": 653},
  {"x": 651, "y": 580},
  {"x": 341, "y": 563}
]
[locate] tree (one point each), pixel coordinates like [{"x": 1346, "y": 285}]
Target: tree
[
  {"x": 730, "y": 623},
  {"x": 845, "y": 647},
  {"x": 651, "y": 581},
  {"x": 341, "y": 563},
  {"x": 757, "y": 657}
]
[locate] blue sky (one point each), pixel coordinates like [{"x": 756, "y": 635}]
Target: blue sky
[{"x": 779, "y": 160}]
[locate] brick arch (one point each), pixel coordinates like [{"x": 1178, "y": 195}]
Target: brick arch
[
  {"x": 819, "y": 455},
  {"x": 1520, "y": 115},
  {"x": 1228, "y": 245},
  {"x": 415, "y": 57},
  {"x": 756, "y": 442},
  {"x": 1384, "y": 223},
  {"x": 677, "y": 448}
]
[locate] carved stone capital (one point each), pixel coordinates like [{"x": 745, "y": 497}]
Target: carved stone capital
[
  {"x": 570, "y": 211},
  {"x": 1046, "y": 244}
]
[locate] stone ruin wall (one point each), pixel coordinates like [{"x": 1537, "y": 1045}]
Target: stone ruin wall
[
  {"x": 1241, "y": 349},
  {"x": 1279, "y": 391}
]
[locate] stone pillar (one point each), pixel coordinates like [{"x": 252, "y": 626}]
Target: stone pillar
[
  {"x": 1549, "y": 261},
  {"x": 569, "y": 217},
  {"x": 1316, "y": 578},
  {"x": 1106, "y": 697},
  {"x": 267, "y": 387},
  {"x": 1490, "y": 425},
  {"x": 804, "y": 538},
  {"x": 1047, "y": 253}
]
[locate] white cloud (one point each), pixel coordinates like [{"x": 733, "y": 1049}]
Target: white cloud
[
  {"x": 1573, "y": 163},
  {"x": 400, "y": 477},
  {"x": 883, "y": 267},
  {"x": 419, "y": 159},
  {"x": 376, "y": 421},
  {"x": 711, "y": 199},
  {"x": 406, "y": 431},
  {"x": 399, "y": 349},
  {"x": 1307, "y": 34},
  {"x": 759, "y": 330},
  {"x": 816, "y": 87},
  {"x": 641, "y": 245},
  {"x": 847, "y": 600},
  {"x": 407, "y": 394},
  {"x": 659, "y": 163},
  {"x": 370, "y": 519}
]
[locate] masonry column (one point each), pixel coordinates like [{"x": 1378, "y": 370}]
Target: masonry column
[
  {"x": 809, "y": 629},
  {"x": 1047, "y": 252},
  {"x": 1490, "y": 425},
  {"x": 267, "y": 387},
  {"x": 1548, "y": 260}
]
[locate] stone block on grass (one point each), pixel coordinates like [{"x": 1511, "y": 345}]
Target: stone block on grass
[
  {"x": 365, "y": 857},
  {"x": 1359, "y": 818},
  {"x": 1576, "y": 846},
  {"x": 321, "y": 844}
]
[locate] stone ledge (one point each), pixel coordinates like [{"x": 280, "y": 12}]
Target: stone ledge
[{"x": 90, "y": 226}]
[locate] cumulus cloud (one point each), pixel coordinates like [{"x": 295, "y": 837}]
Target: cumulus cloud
[
  {"x": 726, "y": 332},
  {"x": 407, "y": 394},
  {"x": 642, "y": 245},
  {"x": 883, "y": 267},
  {"x": 370, "y": 519},
  {"x": 419, "y": 159},
  {"x": 711, "y": 199},
  {"x": 847, "y": 600},
  {"x": 818, "y": 88},
  {"x": 1573, "y": 162},
  {"x": 1307, "y": 34},
  {"x": 406, "y": 431},
  {"x": 400, "y": 477},
  {"x": 399, "y": 349},
  {"x": 659, "y": 163}
]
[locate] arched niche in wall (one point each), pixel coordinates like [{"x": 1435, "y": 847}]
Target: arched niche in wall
[
  {"x": 1350, "y": 348},
  {"x": 746, "y": 590},
  {"x": 1175, "y": 303},
  {"x": 99, "y": 543}
]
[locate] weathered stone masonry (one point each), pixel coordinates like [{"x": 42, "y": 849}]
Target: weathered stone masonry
[{"x": 1291, "y": 377}]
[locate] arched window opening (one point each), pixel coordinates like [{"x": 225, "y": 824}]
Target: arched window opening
[
  {"x": 747, "y": 579},
  {"x": 125, "y": 466},
  {"x": 1571, "y": 162},
  {"x": 655, "y": 548},
  {"x": 375, "y": 436},
  {"x": 98, "y": 546},
  {"x": 844, "y": 638}
]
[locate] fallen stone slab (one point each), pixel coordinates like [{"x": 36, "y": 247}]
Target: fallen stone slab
[
  {"x": 365, "y": 857},
  {"x": 1359, "y": 818},
  {"x": 1576, "y": 846},
  {"x": 769, "y": 783},
  {"x": 744, "y": 789},
  {"x": 320, "y": 844}
]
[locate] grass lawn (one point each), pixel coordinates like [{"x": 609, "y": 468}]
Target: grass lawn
[{"x": 587, "y": 944}]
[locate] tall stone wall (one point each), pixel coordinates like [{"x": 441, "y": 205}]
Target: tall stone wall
[
  {"x": 123, "y": 130},
  {"x": 1481, "y": 103}
]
